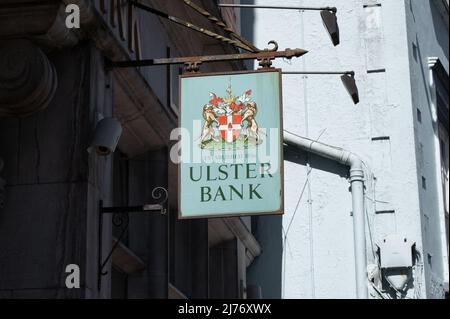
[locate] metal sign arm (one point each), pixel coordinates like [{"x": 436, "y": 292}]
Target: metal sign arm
[
  {"x": 249, "y": 6},
  {"x": 347, "y": 78},
  {"x": 328, "y": 15},
  {"x": 262, "y": 56},
  {"x": 351, "y": 73},
  {"x": 221, "y": 24},
  {"x": 121, "y": 219},
  {"x": 191, "y": 26}
]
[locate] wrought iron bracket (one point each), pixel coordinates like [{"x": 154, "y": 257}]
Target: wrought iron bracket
[
  {"x": 192, "y": 67},
  {"x": 266, "y": 61},
  {"x": 240, "y": 42},
  {"x": 121, "y": 219},
  {"x": 193, "y": 63},
  {"x": 253, "y": 6}
]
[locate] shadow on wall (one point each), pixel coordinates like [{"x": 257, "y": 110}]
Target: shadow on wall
[
  {"x": 247, "y": 26},
  {"x": 423, "y": 76},
  {"x": 315, "y": 161},
  {"x": 440, "y": 31},
  {"x": 266, "y": 270}
]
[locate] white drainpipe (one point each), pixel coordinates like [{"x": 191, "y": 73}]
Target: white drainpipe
[{"x": 357, "y": 187}]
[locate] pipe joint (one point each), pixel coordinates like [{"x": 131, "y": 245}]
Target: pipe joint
[
  {"x": 356, "y": 168},
  {"x": 356, "y": 175},
  {"x": 345, "y": 158}
]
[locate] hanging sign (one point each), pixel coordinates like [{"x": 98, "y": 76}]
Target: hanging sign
[{"x": 231, "y": 148}]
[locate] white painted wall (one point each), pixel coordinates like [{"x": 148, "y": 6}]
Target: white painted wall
[
  {"x": 428, "y": 37},
  {"x": 318, "y": 252}
]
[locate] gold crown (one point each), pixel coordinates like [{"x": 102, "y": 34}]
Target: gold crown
[{"x": 230, "y": 98}]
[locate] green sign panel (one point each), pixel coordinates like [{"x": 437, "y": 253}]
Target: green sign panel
[{"x": 231, "y": 144}]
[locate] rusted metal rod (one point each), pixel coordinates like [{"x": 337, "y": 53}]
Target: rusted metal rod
[
  {"x": 220, "y": 24},
  {"x": 288, "y": 54},
  {"x": 191, "y": 26},
  {"x": 250, "y": 6},
  {"x": 352, "y": 73}
]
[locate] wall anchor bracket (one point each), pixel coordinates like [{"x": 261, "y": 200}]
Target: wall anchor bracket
[
  {"x": 192, "y": 67},
  {"x": 193, "y": 63},
  {"x": 121, "y": 219}
]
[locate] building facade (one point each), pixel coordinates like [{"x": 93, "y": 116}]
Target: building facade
[
  {"x": 55, "y": 87},
  {"x": 399, "y": 51}
]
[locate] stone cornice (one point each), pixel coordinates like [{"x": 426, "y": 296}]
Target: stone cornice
[
  {"x": 40, "y": 20},
  {"x": 28, "y": 79}
]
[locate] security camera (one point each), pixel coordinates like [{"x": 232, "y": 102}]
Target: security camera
[{"x": 106, "y": 136}]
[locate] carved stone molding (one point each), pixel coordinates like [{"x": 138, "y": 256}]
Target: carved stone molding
[
  {"x": 58, "y": 35},
  {"x": 40, "y": 20},
  {"x": 28, "y": 80},
  {"x": 24, "y": 18}
]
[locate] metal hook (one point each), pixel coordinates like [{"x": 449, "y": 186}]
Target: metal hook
[{"x": 275, "y": 46}]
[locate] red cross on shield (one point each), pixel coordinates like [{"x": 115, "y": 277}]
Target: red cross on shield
[{"x": 230, "y": 127}]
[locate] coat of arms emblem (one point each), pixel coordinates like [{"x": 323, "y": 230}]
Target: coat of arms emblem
[{"x": 230, "y": 121}]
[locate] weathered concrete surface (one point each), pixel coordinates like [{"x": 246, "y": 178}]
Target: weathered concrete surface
[
  {"x": 53, "y": 185},
  {"x": 428, "y": 37},
  {"x": 43, "y": 224},
  {"x": 318, "y": 260}
]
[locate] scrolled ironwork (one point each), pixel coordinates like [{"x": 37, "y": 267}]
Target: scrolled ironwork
[
  {"x": 160, "y": 193},
  {"x": 121, "y": 219},
  {"x": 163, "y": 195},
  {"x": 275, "y": 46}
]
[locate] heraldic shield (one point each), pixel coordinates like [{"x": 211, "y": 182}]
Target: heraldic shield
[
  {"x": 230, "y": 127},
  {"x": 230, "y": 122}
]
